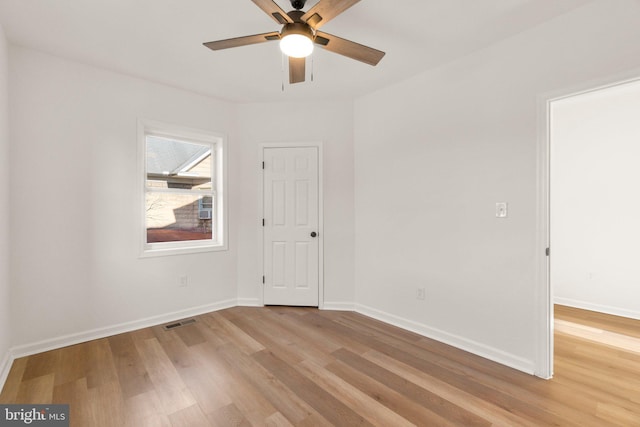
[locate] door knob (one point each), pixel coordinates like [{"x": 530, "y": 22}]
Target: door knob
[{"x": 314, "y": 234}]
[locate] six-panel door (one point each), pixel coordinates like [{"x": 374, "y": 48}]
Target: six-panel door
[{"x": 290, "y": 224}]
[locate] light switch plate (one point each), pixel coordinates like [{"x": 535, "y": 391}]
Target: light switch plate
[{"x": 501, "y": 209}]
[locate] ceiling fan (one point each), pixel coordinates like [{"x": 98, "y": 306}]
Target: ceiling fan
[{"x": 300, "y": 31}]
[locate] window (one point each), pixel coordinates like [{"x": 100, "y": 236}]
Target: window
[{"x": 183, "y": 174}]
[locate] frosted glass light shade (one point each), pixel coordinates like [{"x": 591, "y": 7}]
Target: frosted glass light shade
[{"x": 296, "y": 45}]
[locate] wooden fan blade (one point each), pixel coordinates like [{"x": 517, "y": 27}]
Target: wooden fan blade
[
  {"x": 348, "y": 48},
  {"x": 296, "y": 69},
  {"x": 273, "y": 10},
  {"x": 242, "y": 41},
  {"x": 325, "y": 10}
]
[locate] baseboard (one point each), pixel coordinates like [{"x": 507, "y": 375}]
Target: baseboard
[
  {"x": 249, "y": 302},
  {"x": 71, "y": 339},
  {"x": 5, "y": 367},
  {"x": 462, "y": 343},
  {"x": 338, "y": 306},
  {"x": 585, "y": 305}
]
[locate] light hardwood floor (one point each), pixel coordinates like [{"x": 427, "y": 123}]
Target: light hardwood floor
[{"x": 282, "y": 366}]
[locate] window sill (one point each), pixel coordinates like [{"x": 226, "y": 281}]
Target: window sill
[{"x": 157, "y": 252}]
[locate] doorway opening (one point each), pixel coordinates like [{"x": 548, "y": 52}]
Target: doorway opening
[{"x": 592, "y": 228}]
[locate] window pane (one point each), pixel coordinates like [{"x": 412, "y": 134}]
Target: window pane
[
  {"x": 172, "y": 217},
  {"x": 178, "y": 164}
]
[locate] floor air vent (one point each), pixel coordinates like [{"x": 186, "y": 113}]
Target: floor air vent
[{"x": 177, "y": 324}]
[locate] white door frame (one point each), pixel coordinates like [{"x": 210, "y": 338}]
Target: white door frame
[
  {"x": 317, "y": 145},
  {"x": 544, "y": 285}
]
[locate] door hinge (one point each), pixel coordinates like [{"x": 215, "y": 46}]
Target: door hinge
[
  {"x": 262, "y": 165},
  {"x": 547, "y": 251},
  {"x": 263, "y": 280},
  {"x": 263, "y": 222}
]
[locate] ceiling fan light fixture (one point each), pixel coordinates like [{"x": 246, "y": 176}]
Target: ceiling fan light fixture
[
  {"x": 296, "y": 46},
  {"x": 296, "y": 40}
]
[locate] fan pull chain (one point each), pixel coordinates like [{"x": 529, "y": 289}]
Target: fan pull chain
[
  {"x": 312, "y": 67},
  {"x": 282, "y": 69}
]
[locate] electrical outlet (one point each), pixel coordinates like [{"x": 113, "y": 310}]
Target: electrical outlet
[
  {"x": 183, "y": 281},
  {"x": 420, "y": 294}
]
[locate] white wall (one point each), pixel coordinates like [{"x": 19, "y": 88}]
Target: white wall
[
  {"x": 595, "y": 208},
  {"x": 332, "y": 124},
  {"x": 5, "y": 306},
  {"x": 74, "y": 203},
  {"x": 435, "y": 153}
]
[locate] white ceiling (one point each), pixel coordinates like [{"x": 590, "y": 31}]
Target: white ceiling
[{"x": 161, "y": 40}]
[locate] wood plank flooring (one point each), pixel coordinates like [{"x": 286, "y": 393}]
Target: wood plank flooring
[{"x": 281, "y": 366}]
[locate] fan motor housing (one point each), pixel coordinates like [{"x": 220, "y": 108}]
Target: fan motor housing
[{"x": 297, "y": 28}]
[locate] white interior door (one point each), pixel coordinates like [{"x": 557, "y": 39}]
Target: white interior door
[{"x": 291, "y": 234}]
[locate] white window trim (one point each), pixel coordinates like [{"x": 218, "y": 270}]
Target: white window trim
[{"x": 219, "y": 141}]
